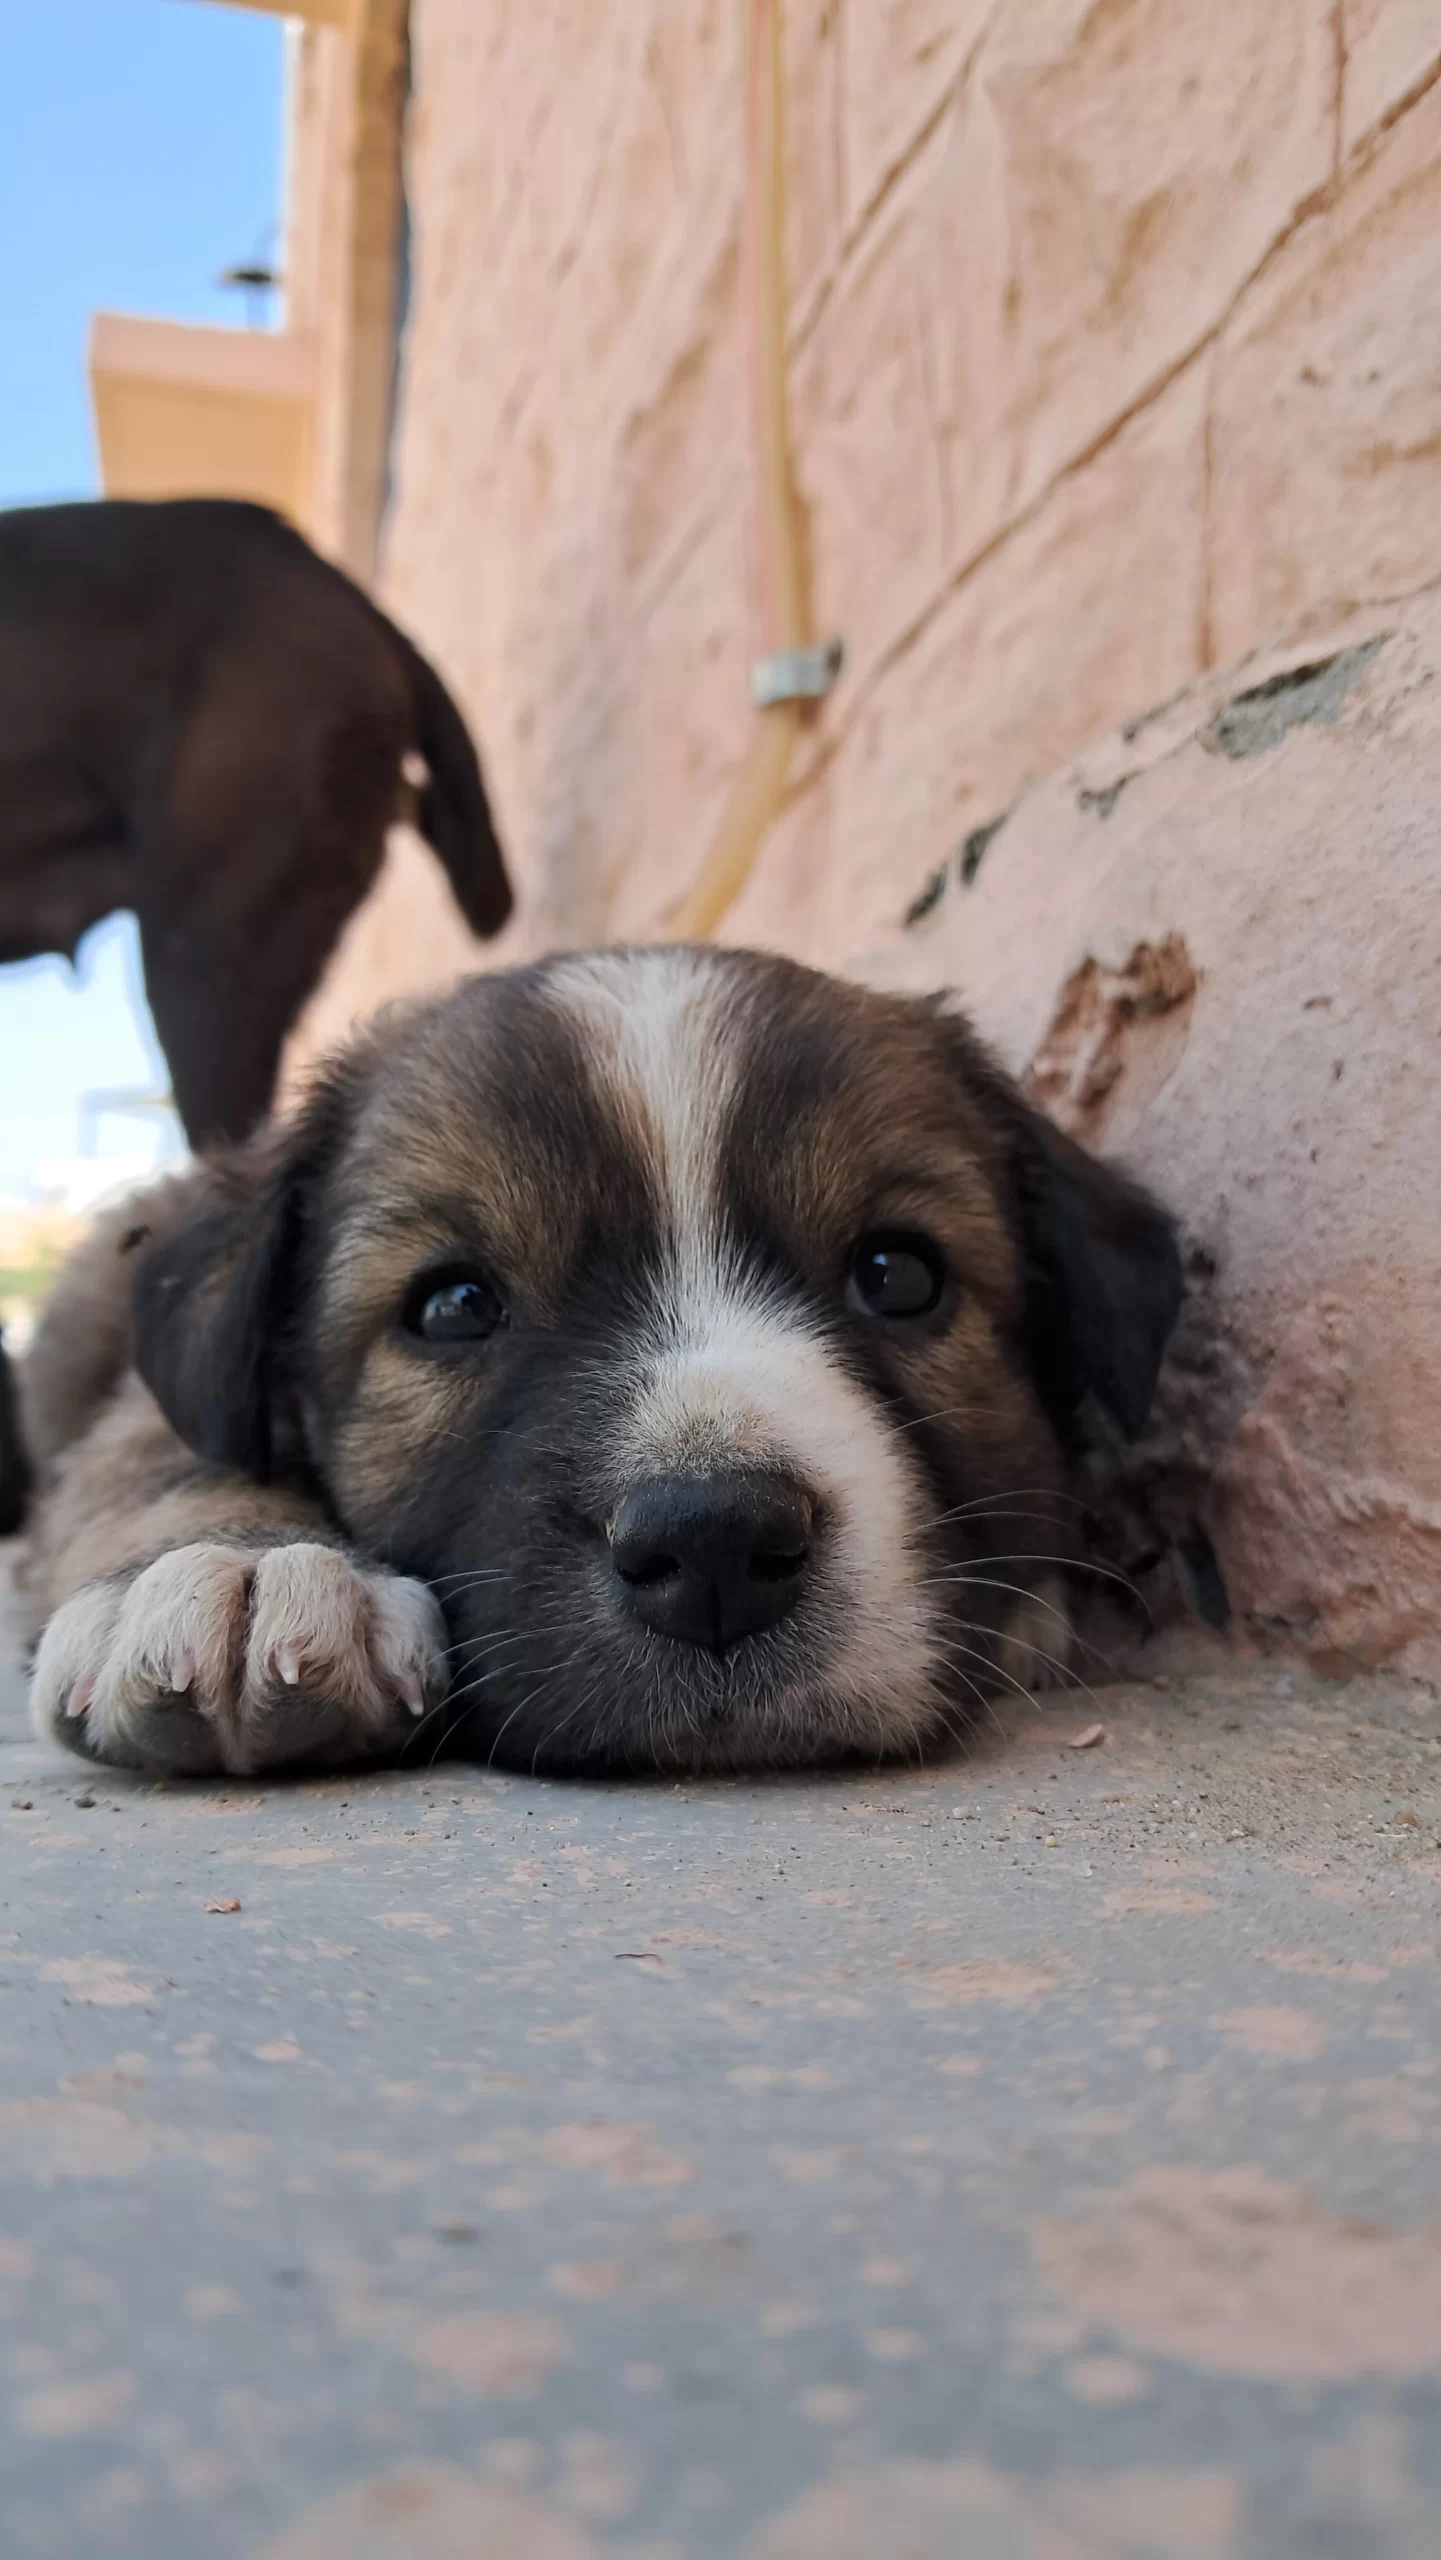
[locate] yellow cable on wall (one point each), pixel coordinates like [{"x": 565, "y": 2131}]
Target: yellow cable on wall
[{"x": 791, "y": 673}]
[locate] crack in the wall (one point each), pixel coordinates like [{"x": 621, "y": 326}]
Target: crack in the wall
[
  {"x": 963, "y": 866},
  {"x": 654, "y": 592},
  {"x": 928, "y": 898},
  {"x": 897, "y": 170},
  {"x": 975, "y": 847},
  {"x": 1205, "y": 596},
  {"x": 1369, "y": 142},
  {"x": 953, "y": 92}
]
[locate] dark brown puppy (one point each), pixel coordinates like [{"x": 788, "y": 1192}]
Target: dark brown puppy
[
  {"x": 655, "y": 1359},
  {"x": 200, "y": 719}
]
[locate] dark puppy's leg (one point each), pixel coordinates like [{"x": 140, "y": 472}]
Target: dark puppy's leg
[
  {"x": 14, "y": 1461},
  {"x": 195, "y": 1621},
  {"x": 267, "y": 834},
  {"x": 223, "y": 1005}
]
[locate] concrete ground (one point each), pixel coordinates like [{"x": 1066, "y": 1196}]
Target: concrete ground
[{"x": 1033, "y": 2158}]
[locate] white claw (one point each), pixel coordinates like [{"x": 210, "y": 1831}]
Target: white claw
[
  {"x": 81, "y": 1695},
  {"x": 287, "y": 1663},
  {"x": 412, "y": 1692},
  {"x": 182, "y": 1675}
]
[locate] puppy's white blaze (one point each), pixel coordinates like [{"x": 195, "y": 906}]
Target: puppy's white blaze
[
  {"x": 724, "y": 1369},
  {"x": 660, "y": 1035}
]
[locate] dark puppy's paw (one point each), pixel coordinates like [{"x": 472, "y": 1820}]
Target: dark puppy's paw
[{"x": 215, "y": 1659}]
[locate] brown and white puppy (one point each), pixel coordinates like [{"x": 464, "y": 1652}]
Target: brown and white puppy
[{"x": 659, "y": 1359}]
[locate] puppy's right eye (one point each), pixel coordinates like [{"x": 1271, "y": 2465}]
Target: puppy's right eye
[
  {"x": 897, "y": 1275},
  {"x": 460, "y": 1310}
]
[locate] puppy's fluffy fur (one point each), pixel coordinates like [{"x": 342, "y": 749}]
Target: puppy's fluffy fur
[{"x": 688, "y": 1229}]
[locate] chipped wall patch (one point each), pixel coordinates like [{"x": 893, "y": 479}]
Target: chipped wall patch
[
  {"x": 1111, "y": 1024},
  {"x": 1308, "y": 695}
]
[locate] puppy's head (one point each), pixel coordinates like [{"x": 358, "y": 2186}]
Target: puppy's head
[{"x": 707, "y": 1332}]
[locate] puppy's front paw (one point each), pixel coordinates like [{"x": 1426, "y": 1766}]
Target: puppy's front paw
[{"x": 214, "y": 1659}]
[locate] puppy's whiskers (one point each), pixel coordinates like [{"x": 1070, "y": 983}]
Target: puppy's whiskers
[
  {"x": 1069, "y": 1564},
  {"x": 996, "y": 1669},
  {"x": 552, "y": 1670},
  {"x": 948, "y": 1653}
]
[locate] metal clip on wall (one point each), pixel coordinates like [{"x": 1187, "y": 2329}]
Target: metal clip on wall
[{"x": 796, "y": 675}]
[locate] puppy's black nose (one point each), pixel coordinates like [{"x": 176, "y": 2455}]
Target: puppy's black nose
[{"x": 709, "y": 1559}]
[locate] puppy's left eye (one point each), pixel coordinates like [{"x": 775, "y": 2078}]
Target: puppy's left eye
[
  {"x": 897, "y": 1275},
  {"x": 460, "y": 1310}
]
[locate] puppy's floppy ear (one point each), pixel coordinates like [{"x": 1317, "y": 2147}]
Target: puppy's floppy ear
[
  {"x": 214, "y": 1298},
  {"x": 1103, "y": 1279}
]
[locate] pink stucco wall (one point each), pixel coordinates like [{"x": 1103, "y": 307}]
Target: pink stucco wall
[
  {"x": 1115, "y": 346},
  {"x": 1116, "y": 353}
]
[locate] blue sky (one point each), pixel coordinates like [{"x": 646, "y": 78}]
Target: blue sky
[{"x": 140, "y": 152}]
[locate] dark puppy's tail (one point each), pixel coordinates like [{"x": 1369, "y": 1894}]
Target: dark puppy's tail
[
  {"x": 453, "y": 812},
  {"x": 15, "y": 1472}
]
